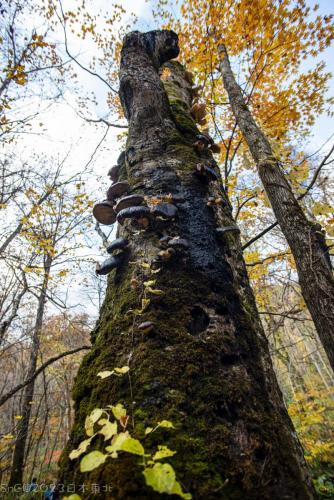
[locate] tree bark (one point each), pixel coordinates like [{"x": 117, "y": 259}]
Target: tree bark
[
  {"x": 206, "y": 365},
  {"x": 17, "y": 469},
  {"x": 305, "y": 239}
]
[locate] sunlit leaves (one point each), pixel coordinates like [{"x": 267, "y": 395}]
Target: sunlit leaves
[
  {"x": 161, "y": 478},
  {"x": 91, "y": 461},
  {"x": 312, "y": 412},
  {"x": 91, "y": 420},
  {"x": 163, "y": 452},
  {"x": 117, "y": 442},
  {"x": 82, "y": 448},
  {"x": 118, "y": 411},
  {"x": 108, "y": 429},
  {"x": 133, "y": 446},
  {"x": 166, "y": 424}
]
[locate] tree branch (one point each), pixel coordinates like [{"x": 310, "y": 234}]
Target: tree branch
[
  {"x": 265, "y": 231},
  {"x": 18, "y": 387},
  {"x": 63, "y": 23},
  {"x": 316, "y": 173}
]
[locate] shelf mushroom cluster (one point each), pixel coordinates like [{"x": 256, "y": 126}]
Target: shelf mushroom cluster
[
  {"x": 204, "y": 142},
  {"x": 119, "y": 245},
  {"x": 207, "y": 172},
  {"x": 121, "y": 205},
  {"x": 104, "y": 211},
  {"x": 171, "y": 247}
]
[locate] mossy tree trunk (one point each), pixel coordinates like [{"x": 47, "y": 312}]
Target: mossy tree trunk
[
  {"x": 306, "y": 240},
  {"x": 206, "y": 365}
]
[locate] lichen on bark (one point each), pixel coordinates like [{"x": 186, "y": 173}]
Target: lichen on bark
[{"x": 206, "y": 365}]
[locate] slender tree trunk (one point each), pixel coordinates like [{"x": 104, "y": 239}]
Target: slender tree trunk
[
  {"x": 6, "y": 323},
  {"x": 305, "y": 239},
  {"x": 16, "y": 476},
  {"x": 205, "y": 366}
]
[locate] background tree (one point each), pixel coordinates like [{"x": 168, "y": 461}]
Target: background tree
[
  {"x": 307, "y": 241},
  {"x": 51, "y": 409}
]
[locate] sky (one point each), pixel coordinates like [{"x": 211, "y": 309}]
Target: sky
[
  {"x": 66, "y": 133},
  {"x": 324, "y": 125}
]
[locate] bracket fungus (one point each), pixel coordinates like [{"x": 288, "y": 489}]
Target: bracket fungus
[
  {"x": 196, "y": 90},
  {"x": 133, "y": 200},
  {"x": 165, "y": 210},
  {"x": 118, "y": 244},
  {"x": 203, "y": 142},
  {"x": 198, "y": 111},
  {"x": 146, "y": 326},
  {"x": 109, "y": 264},
  {"x": 117, "y": 190},
  {"x": 104, "y": 213},
  {"x": 227, "y": 229},
  {"x": 189, "y": 77},
  {"x": 214, "y": 201},
  {"x": 141, "y": 214},
  {"x": 113, "y": 173},
  {"x": 134, "y": 283},
  {"x": 205, "y": 171},
  {"x": 163, "y": 242},
  {"x": 211, "y": 173},
  {"x": 215, "y": 148},
  {"x": 166, "y": 255},
  {"x": 178, "y": 244}
]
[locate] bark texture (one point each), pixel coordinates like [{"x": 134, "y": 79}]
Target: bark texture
[
  {"x": 205, "y": 366},
  {"x": 305, "y": 239}
]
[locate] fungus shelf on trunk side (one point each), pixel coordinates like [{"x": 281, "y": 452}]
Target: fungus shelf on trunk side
[
  {"x": 117, "y": 244},
  {"x": 133, "y": 200},
  {"x": 198, "y": 111},
  {"x": 227, "y": 229},
  {"x": 117, "y": 189},
  {"x": 146, "y": 326},
  {"x": 203, "y": 142},
  {"x": 212, "y": 202},
  {"x": 179, "y": 244},
  {"x": 109, "y": 264},
  {"x": 165, "y": 210},
  {"x": 140, "y": 214},
  {"x": 104, "y": 212},
  {"x": 206, "y": 172},
  {"x": 113, "y": 173}
]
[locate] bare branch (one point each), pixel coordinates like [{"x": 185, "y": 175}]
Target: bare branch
[
  {"x": 265, "y": 231},
  {"x": 18, "y": 387},
  {"x": 63, "y": 23}
]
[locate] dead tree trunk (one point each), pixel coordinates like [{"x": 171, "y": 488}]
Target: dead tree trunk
[
  {"x": 17, "y": 469},
  {"x": 205, "y": 364},
  {"x": 305, "y": 239}
]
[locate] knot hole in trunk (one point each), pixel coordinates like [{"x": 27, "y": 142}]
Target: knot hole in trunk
[{"x": 199, "y": 321}]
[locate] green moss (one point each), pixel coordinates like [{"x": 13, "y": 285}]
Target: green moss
[{"x": 185, "y": 123}]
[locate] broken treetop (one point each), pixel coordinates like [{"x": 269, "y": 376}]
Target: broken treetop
[{"x": 160, "y": 45}]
